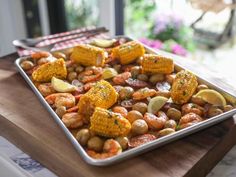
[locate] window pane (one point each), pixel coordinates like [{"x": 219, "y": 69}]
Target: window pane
[{"x": 80, "y": 13}]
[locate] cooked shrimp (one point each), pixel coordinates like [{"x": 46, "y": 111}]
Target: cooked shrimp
[
  {"x": 72, "y": 120},
  {"x": 143, "y": 93},
  {"x": 90, "y": 75},
  {"x": 111, "y": 148},
  {"x": 61, "y": 99},
  {"x": 121, "y": 78},
  {"x": 46, "y": 89},
  {"x": 156, "y": 122},
  {"x": 188, "y": 120},
  {"x": 40, "y": 54},
  {"x": 191, "y": 107}
]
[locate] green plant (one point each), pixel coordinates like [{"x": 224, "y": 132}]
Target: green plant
[
  {"x": 81, "y": 13},
  {"x": 137, "y": 16}
]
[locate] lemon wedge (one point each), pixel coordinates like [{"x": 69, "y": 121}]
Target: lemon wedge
[
  {"x": 211, "y": 96},
  {"x": 109, "y": 73},
  {"x": 156, "y": 103},
  {"x": 104, "y": 43},
  {"x": 62, "y": 86}
]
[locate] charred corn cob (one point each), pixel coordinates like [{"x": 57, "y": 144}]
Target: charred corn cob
[
  {"x": 128, "y": 52},
  {"x": 45, "y": 72},
  {"x": 101, "y": 95},
  {"x": 157, "y": 64},
  {"x": 109, "y": 124},
  {"x": 183, "y": 87},
  {"x": 88, "y": 55}
]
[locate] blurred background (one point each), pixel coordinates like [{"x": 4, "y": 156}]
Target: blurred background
[{"x": 201, "y": 30}]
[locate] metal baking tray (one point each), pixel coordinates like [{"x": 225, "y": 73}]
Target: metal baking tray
[{"x": 145, "y": 147}]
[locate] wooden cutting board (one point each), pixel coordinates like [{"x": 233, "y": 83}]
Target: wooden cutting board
[{"x": 25, "y": 122}]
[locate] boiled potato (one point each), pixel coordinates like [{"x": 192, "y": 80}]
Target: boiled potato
[
  {"x": 142, "y": 77},
  {"x": 214, "y": 111},
  {"x": 156, "y": 78},
  {"x": 165, "y": 131},
  {"x": 228, "y": 108},
  {"x": 95, "y": 143},
  {"x": 134, "y": 115},
  {"x": 173, "y": 113},
  {"x": 170, "y": 124},
  {"x": 71, "y": 76},
  {"x": 141, "y": 107},
  {"x": 27, "y": 65},
  {"x": 83, "y": 136},
  {"x": 60, "y": 111},
  {"x": 126, "y": 93},
  {"x": 139, "y": 127},
  {"x": 123, "y": 141}
]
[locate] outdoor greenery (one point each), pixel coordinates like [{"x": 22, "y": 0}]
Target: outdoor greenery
[
  {"x": 81, "y": 13},
  {"x": 158, "y": 30}
]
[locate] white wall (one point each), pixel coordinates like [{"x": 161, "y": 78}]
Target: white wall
[
  {"x": 12, "y": 24},
  {"x": 107, "y": 15}
]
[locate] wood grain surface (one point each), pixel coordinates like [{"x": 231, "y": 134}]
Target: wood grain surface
[{"x": 25, "y": 122}]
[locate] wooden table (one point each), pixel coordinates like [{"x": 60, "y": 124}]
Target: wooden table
[{"x": 25, "y": 122}]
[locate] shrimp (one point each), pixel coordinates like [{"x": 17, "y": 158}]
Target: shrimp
[
  {"x": 111, "y": 148},
  {"x": 90, "y": 75},
  {"x": 88, "y": 85},
  {"x": 46, "y": 89},
  {"x": 121, "y": 78},
  {"x": 144, "y": 93},
  {"x": 188, "y": 120},
  {"x": 191, "y": 107},
  {"x": 61, "y": 99},
  {"x": 156, "y": 122},
  {"x": 41, "y": 54},
  {"x": 72, "y": 120}
]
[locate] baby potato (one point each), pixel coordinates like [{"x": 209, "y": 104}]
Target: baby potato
[
  {"x": 142, "y": 77},
  {"x": 139, "y": 60},
  {"x": 123, "y": 141},
  {"x": 27, "y": 65},
  {"x": 170, "y": 124},
  {"x": 83, "y": 136},
  {"x": 228, "y": 108},
  {"x": 201, "y": 87},
  {"x": 42, "y": 61},
  {"x": 156, "y": 78},
  {"x": 121, "y": 110},
  {"x": 139, "y": 127},
  {"x": 170, "y": 78},
  {"x": 163, "y": 93},
  {"x": 197, "y": 100},
  {"x": 95, "y": 143},
  {"x": 60, "y": 111},
  {"x": 117, "y": 67},
  {"x": 141, "y": 107},
  {"x": 126, "y": 93},
  {"x": 135, "y": 71},
  {"x": 134, "y": 115},
  {"x": 174, "y": 114},
  {"x": 165, "y": 132},
  {"x": 214, "y": 111},
  {"x": 59, "y": 55},
  {"x": 79, "y": 69},
  {"x": 71, "y": 76}
]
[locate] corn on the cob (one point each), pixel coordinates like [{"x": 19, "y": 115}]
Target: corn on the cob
[
  {"x": 109, "y": 124},
  {"x": 183, "y": 87},
  {"x": 101, "y": 95},
  {"x": 157, "y": 64},
  {"x": 128, "y": 52},
  {"x": 88, "y": 55},
  {"x": 45, "y": 72}
]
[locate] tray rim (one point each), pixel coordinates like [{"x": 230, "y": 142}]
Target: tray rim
[{"x": 143, "y": 148}]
